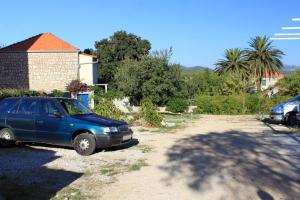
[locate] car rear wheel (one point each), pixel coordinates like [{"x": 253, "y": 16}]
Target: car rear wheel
[
  {"x": 85, "y": 144},
  {"x": 6, "y": 137}
]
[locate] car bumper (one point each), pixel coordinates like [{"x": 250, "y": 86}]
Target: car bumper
[
  {"x": 277, "y": 117},
  {"x": 113, "y": 139}
]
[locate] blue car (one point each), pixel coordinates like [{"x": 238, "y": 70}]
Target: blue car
[{"x": 59, "y": 121}]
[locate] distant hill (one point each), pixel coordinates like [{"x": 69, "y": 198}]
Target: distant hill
[
  {"x": 290, "y": 68},
  {"x": 195, "y": 68}
]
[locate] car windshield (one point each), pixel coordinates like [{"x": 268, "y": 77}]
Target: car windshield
[{"x": 74, "y": 107}]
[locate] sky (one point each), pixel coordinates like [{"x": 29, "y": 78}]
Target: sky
[{"x": 199, "y": 31}]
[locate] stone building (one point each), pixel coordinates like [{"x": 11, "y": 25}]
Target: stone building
[{"x": 45, "y": 62}]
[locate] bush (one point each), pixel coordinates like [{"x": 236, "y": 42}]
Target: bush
[
  {"x": 218, "y": 104},
  {"x": 177, "y": 105},
  {"x": 77, "y": 86},
  {"x": 149, "y": 113},
  {"x": 233, "y": 104},
  {"x": 106, "y": 108},
  {"x": 19, "y": 92},
  {"x": 57, "y": 93}
]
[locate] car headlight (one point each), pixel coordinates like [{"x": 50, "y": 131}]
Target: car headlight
[{"x": 110, "y": 129}]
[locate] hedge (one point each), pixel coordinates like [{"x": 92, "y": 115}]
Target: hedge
[
  {"x": 237, "y": 104},
  {"x": 19, "y": 92}
]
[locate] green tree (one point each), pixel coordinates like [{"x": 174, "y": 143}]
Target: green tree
[
  {"x": 112, "y": 51},
  {"x": 234, "y": 63},
  {"x": 151, "y": 77},
  {"x": 263, "y": 58},
  {"x": 290, "y": 84}
]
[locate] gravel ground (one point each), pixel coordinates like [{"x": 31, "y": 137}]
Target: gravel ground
[{"x": 214, "y": 158}]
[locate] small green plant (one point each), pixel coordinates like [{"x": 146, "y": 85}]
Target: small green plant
[
  {"x": 57, "y": 93},
  {"x": 137, "y": 166},
  {"x": 177, "y": 105},
  {"x": 106, "y": 108},
  {"x": 149, "y": 113},
  {"x": 122, "y": 167},
  {"x": 106, "y": 171}
]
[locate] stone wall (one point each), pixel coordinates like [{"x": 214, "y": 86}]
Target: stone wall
[
  {"x": 14, "y": 70},
  {"x": 49, "y": 71}
]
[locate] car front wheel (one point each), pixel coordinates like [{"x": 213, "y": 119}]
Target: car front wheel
[
  {"x": 6, "y": 137},
  {"x": 291, "y": 120},
  {"x": 84, "y": 144}
]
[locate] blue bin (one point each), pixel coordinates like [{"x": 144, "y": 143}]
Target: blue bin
[{"x": 84, "y": 99}]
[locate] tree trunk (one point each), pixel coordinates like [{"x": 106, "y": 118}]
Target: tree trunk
[{"x": 259, "y": 84}]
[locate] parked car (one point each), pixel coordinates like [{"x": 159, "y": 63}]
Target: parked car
[
  {"x": 59, "y": 121},
  {"x": 286, "y": 112}
]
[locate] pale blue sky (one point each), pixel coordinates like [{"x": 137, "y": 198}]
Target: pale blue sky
[{"x": 198, "y": 30}]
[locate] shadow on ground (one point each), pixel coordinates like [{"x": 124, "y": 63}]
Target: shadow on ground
[
  {"x": 238, "y": 160},
  {"x": 130, "y": 144},
  {"x": 23, "y": 174}
]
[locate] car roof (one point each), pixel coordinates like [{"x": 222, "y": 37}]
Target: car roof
[{"x": 36, "y": 97}]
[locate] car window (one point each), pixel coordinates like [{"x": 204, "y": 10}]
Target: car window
[
  {"x": 48, "y": 107},
  {"x": 6, "y": 104},
  {"x": 27, "y": 106},
  {"x": 74, "y": 107}
]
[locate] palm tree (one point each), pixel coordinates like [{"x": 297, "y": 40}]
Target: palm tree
[
  {"x": 263, "y": 58},
  {"x": 234, "y": 63}
]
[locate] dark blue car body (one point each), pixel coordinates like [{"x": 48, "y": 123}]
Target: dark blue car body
[{"x": 38, "y": 123}]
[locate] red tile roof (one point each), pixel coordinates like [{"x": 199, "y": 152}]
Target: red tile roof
[
  {"x": 41, "y": 42},
  {"x": 273, "y": 75}
]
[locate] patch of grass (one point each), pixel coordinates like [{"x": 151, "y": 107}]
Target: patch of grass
[
  {"x": 112, "y": 169},
  {"x": 144, "y": 148},
  {"x": 171, "y": 129},
  {"x": 70, "y": 193},
  {"x": 106, "y": 171},
  {"x": 119, "y": 168},
  {"x": 137, "y": 166},
  {"x": 143, "y": 130}
]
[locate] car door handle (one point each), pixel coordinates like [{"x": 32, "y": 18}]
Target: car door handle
[{"x": 40, "y": 121}]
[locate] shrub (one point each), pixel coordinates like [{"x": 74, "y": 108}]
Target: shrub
[
  {"x": 177, "y": 105},
  {"x": 19, "y": 92},
  {"x": 77, "y": 86},
  {"x": 233, "y": 104},
  {"x": 149, "y": 113},
  {"x": 57, "y": 93},
  {"x": 106, "y": 108}
]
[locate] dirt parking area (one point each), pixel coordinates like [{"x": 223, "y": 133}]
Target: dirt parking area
[{"x": 213, "y": 158}]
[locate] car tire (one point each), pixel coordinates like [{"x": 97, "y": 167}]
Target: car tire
[
  {"x": 7, "y": 138},
  {"x": 85, "y": 144},
  {"x": 291, "y": 120}
]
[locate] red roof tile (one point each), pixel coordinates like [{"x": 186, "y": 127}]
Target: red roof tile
[
  {"x": 273, "y": 75},
  {"x": 41, "y": 42}
]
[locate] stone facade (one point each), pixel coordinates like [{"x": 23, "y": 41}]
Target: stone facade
[
  {"x": 14, "y": 70},
  {"x": 43, "y": 71},
  {"x": 49, "y": 71}
]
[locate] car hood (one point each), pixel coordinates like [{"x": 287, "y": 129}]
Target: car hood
[{"x": 99, "y": 120}]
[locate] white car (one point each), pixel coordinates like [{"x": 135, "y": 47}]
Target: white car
[{"x": 286, "y": 112}]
